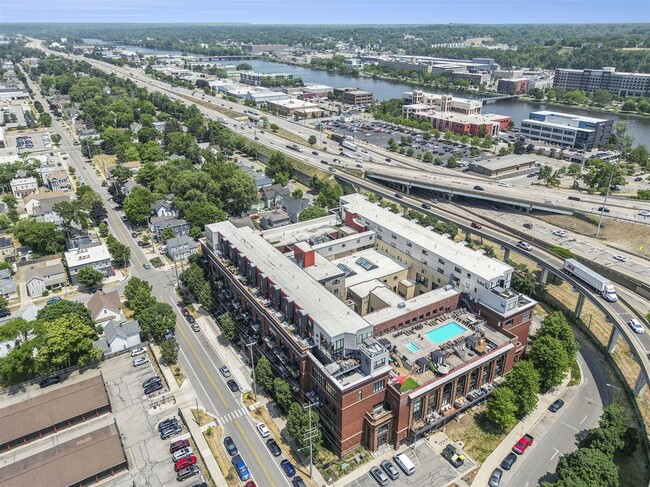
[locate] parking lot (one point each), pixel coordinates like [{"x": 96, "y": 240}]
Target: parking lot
[
  {"x": 431, "y": 470},
  {"x": 148, "y": 456},
  {"x": 29, "y": 141}
]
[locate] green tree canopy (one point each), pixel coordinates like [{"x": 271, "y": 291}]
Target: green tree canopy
[
  {"x": 264, "y": 374},
  {"x": 311, "y": 213},
  {"x": 42, "y": 237},
  {"x": 169, "y": 351},
  {"x": 59, "y": 309},
  {"x": 227, "y": 325},
  {"x": 298, "y": 423},
  {"x": 67, "y": 341},
  {"x": 156, "y": 320},
  {"x": 502, "y": 407},
  {"x": 137, "y": 206},
  {"x": 551, "y": 360},
  {"x": 138, "y": 294},
  {"x": 557, "y": 326},
  {"x": 587, "y": 467},
  {"x": 90, "y": 277},
  {"x": 523, "y": 380}
]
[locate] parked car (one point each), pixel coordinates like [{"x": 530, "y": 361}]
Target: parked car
[
  {"x": 262, "y": 429},
  {"x": 153, "y": 388},
  {"x": 450, "y": 453},
  {"x": 635, "y": 326},
  {"x": 495, "y": 478},
  {"x": 50, "y": 381},
  {"x": 185, "y": 312},
  {"x": 190, "y": 319},
  {"x": 232, "y": 385},
  {"x": 288, "y": 468},
  {"x": 182, "y": 453},
  {"x": 241, "y": 468},
  {"x": 297, "y": 481},
  {"x": 184, "y": 463},
  {"x": 150, "y": 381},
  {"x": 555, "y": 407},
  {"x": 273, "y": 447},
  {"x": 390, "y": 469},
  {"x": 137, "y": 362},
  {"x": 137, "y": 351},
  {"x": 177, "y": 445},
  {"x": 230, "y": 446},
  {"x": 195, "y": 327},
  {"x": 225, "y": 371},
  {"x": 508, "y": 461},
  {"x": 171, "y": 431},
  {"x": 53, "y": 300},
  {"x": 167, "y": 423},
  {"x": 187, "y": 472},
  {"x": 379, "y": 475}
]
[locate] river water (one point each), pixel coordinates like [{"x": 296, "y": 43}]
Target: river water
[{"x": 638, "y": 127}]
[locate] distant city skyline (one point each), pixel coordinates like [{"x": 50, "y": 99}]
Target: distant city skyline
[{"x": 332, "y": 12}]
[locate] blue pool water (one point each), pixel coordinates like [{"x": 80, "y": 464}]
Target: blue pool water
[
  {"x": 412, "y": 347},
  {"x": 444, "y": 333}
]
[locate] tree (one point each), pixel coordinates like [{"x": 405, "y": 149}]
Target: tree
[
  {"x": 138, "y": 294},
  {"x": 45, "y": 119},
  {"x": 299, "y": 422},
  {"x": 587, "y": 467},
  {"x": 599, "y": 174},
  {"x": 168, "y": 233},
  {"x": 121, "y": 174},
  {"x": 59, "y": 309},
  {"x": 263, "y": 373},
  {"x": 227, "y": 325},
  {"x": 200, "y": 214},
  {"x": 16, "y": 329},
  {"x": 195, "y": 282},
  {"x": 311, "y": 213},
  {"x": 244, "y": 67},
  {"x": 120, "y": 252},
  {"x": 550, "y": 359},
  {"x": 523, "y": 279},
  {"x": 523, "y": 380},
  {"x": 69, "y": 213},
  {"x": 329, "y": 195},
  {"x": 557, "y": 326},
  {"x": 90, "y": 277},
  {"x": 156, "y": 320},
  {"x": 502, "y": 408},
  {"x": 611, "y": 434},
  {"x": 67, "y": 341},
  {"x": 279, "y": 167},
  {"x": 169, "y": 351},
  {"x": 640, "y": 156},
  {"x": 550, "y": 176},
  {"x": 297, "y": 194},
  {"x": 97, "y": 212},
  {"x": 282, "y": 392},
  {"x": 428, "y": 157},
  {"x": 312, "y": 140},
  {"x": 137, "y": 206},
  {"x": 602, "y": 97},
  {"x": 42, "y": 237},
  {"x": 19, "y": 365},
  {"x": 4, "y": 304},
  {"x": 274, "y": 127},
  {"x": 392, "y": 145}
]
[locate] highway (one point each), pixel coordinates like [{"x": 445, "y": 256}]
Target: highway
[{"x": 198, "y": 360}]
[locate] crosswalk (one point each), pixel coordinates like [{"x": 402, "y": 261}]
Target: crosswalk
[{"x": 231, "y": 416}]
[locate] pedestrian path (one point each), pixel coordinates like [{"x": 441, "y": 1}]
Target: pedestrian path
[{"x": 231, "y": 416}]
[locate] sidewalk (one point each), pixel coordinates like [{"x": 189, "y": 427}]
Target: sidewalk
[{"x": 523, "y": 427}]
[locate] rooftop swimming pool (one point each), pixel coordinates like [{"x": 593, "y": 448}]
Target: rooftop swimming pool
[
  {"x": 443, "y": 333},
  {"x": 412, "y": 347}
]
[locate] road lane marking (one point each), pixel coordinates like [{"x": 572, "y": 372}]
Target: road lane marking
[
  {"x": 556, "y": 453},
  {"x": 572, "y": 427},
  {"x": 584, "y": 419},
  {"x": 259, "y": 460}
]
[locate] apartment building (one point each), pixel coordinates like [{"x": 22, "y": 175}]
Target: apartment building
[
  {"x": 620, "y": 84},
  {"x": 96, "y": 256},
  {"x": 514, "y": 86},
  {"x": 479, "y": 125},
  {"x": 354, "y": 96},
  {"x": 441, "y": 103},
  {"x": 22, "y": 187},
  {"x": 347, "y": 315},
  {"x": 574, "y": 131},
  {"x": 256, "y": 79}
]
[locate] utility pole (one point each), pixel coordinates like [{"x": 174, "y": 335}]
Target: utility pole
[
  {"x": 602, "y": 210},
  {"x": 309, "y": 435},
  {"x": 250, "y": 349}
]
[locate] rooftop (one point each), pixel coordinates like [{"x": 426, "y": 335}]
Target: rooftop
[
  {"x": 571, "y": 116},
  {"x": 368, "y": 265},
  {"x": 397, "y": 306},
  {"x": 323, "y": 269},
  {"x": 313, "y": 231},
  {"x": 43, "y": 272},
  {"x": 101, "y": 300},
  {"x": 504, "y": 162},
  {"x": 87, "y": 255}
]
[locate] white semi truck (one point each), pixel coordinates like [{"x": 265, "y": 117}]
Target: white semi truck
[
  {"x": 601, "y": 284},
  {"x": 349, "y": 145}
]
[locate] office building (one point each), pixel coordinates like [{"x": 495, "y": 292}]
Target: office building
[
  {"x": 568, "y": 130},
  {"x": 478, "y": 125},
  {"x": 305, "y": 109},
  {"x": 258, "y": 79},
  {"x": 442, "y": 103},
  {"x": 620, "y": 84},
  {"x": 357, "y": 97},
  {"x": 366, "y": 315},
  {"x": 514, "y": 86}
]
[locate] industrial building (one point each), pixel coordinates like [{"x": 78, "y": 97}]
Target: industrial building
[
  {"x": 620, "y": 84},
  {"x": 388, "y": 328},
  {"x": 568, "y": 130}
]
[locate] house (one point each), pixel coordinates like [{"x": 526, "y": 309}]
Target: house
[
  {"x": 128, "y": 186},
  {"x": 158, "y": 224},
  {"x": 274, "y": 219},
  {"x": 133, "y": 166},
  {"x": 119, "y": 336},
  {"x": 96, "y": 256},
  {"x": 294, "y": 206},
  {"x": 7, "y": 285},
  {"x": 22, "y": 187},
  {"x": 180, "y": 248},
  {"x": 159, "y": 126},
  {"x": 6, "y": 247},
  {"x": 164, "y": 208},
  {"x": 77, "y": 237},
  {"x": 41, "y": 279},
  {"x": 58, "y": 181},
  {"x": 41, "y": 205},
  {"x": 105, "y": 306},
  {"x": 271, "y": 196},
  {"x": 88, "y": 134},
  {"x": 135, "y": 127}
]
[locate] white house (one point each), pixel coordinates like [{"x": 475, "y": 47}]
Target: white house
[
  {"x": 96, "y": 256},
  {"x": 41, "y": 279},
  {"x": 41, "y": 205},
  {"x": 105, "y": 307},
  {"x": 21, "y": 187},
  {"x": 120, "y": 336}
]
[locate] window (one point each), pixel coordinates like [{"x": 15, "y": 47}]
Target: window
[
  {"x": 424, "y": 252},
  {"x": 378, "y": 386},
  {"x": 469, "y": 276},
  {"x": 379, "y": 363},
  {"x": 526, "y": 316},
  {"x": 360, "y": 395},
  {"x": 409, "y": 244},
  {"x": 457, "y": 269},
  {"x": 441, "y": 271},
  {"x": 440, "y": 261},
  {"x": 393, "y": 236},
  {"x": 424, "y": 262}
]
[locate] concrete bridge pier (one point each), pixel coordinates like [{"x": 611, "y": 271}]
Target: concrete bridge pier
[
  {"x": 506, "y": 254},
  {"x": 543, "y": 276},
  {"x": 579, "y": 304},
  {"x": 611, "y": 345},
  {"x": 640, "y": 385}
]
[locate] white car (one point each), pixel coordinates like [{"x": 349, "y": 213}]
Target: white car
[
  {"x": 559, "y": 233},
  {"x": 263, "y": 430},
  {"x": 636, "y": 326},
  {"x": 644, "y": 213},
  {"x": 137, "y": 362},
  {"x": 548, "y": 202},
  {"x": 182, "y": 453},
  {"x": 503, "y": 184},
  {"x": 620, "y": 258},
  {"x": 137, "y": 351},
  {"x": 525, "y": 246}
]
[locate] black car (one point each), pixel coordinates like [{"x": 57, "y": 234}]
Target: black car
[
  {"x": 556, "y": 405},
  {"x": 231, "y": 448},
  {"x": 478, "y": 188},
  {"x": 604, "y": 209},
  {"x": 298, "y": 482},
  {"x": 273, "y": 447},
  {"x": 50, "y": 381},
  {"x": 150, "y": 381},
  {"x": 4, "y": 312},
  {"x": 426, "y": 206},
  {"x": 390, "y": 469},
  {"x": 167, "y": 423},
  {"x": 509, "y": 461},
  {"x": 156, "y": 386},
  {"x": 190, "y": 319},
  {"x": 232, "y": 385}
]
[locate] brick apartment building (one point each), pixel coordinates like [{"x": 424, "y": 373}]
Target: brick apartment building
[
  {"x": 348, "y": 307},
  {"x": 514, "y": 86}
]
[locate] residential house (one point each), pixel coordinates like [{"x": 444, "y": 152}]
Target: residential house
[
  {"x": 134, "y": 166},
  {"x": 23, "y": 187},
  {"x": 96, "y": 256},
  {"x": 88, "y": 134},
  {"x": 7, "y": 285},
  {"x": 7, "y": 247},
  {"x": 119, "y": 336},
  {"x": 128, "y": 186},
  {"x": 164, "y": 208},
  {"x": 41, "y": 205},
  {"x": 271, "y": 196},
  {"x": 78, "y": 237},
  {"x": 294, "y": 206},
  {"x": 135, "y": 127},
  {"x": 41, "y": 279},
  {"x": 159, "y": 126},
  {"x": 58, "y": 181},
  {"x": 180, "y": 248},
  {"x": 274, "y": 219},
  {"x": 159, "y": 223},
  {"x": 105, "y": 307}
]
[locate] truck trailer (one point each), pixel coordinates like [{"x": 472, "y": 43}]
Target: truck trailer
[
  {"x": 601, "y": 284},
  {"x": 349, "y": 145}
]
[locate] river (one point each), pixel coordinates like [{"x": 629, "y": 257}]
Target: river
[{"x": 638, "y": 127}]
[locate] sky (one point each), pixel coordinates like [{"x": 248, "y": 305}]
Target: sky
[{"x": 327, "y": 11}]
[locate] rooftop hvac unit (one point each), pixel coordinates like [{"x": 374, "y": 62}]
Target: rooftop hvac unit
[{"x": 401, "y": 304}]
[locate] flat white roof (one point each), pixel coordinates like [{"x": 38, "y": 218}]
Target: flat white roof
[
  {"x": 570, "y": 116},
  {"x": 87, "y": 255},
  {"x": 323, "y": 269},
  {"x": 294, "y": 103},
  {"x": 302, "y": 231},
  {"x": 383, "y": 265},
  {"x": 330, "y": 314},
  {"x": 464, "y": 257},
  {"x": 413, "y": 304}
]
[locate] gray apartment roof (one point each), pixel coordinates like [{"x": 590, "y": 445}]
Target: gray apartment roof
[
  {"x": 275, "y": 216},
  {"x": 6, "y": 242},
  {"x": 115, "y": 329},
  {"x": 43, "y": 272},
  {"x": 158, "y": 204},
  {"x": 327, "y": 311},
  {"x": 5, "y": 274},
  {"x": 165, "y": 221},
  {"x": 178, "y": 241}
]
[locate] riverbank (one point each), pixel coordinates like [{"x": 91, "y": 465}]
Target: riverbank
[{"x": 593, "y": 108}]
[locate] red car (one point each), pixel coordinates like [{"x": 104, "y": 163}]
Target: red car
[
  {"x": 185, "y": 312},
  {"x": 476, "y": 225},
  {"x": 251, "y": 484},
  {"x": 184, "y": 462},
  {"x": 177, "y": 445}
]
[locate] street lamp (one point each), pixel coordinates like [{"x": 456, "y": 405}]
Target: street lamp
[
  {"x": 250, "y": 349},
  {"x": 615, "y": 387},
  {"x": 602, "y": 209}
]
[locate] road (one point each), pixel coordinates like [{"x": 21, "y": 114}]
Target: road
[{"x": 199, "y": 361}]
